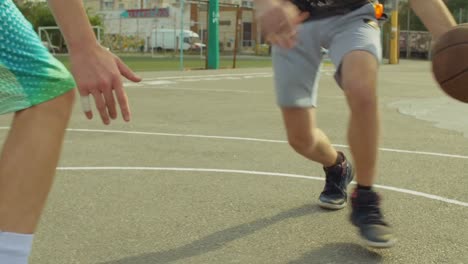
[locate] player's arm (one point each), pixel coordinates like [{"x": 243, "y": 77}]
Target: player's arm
[
  {"x": 96, "y": 71},
  {"x": 278, "y": 20},
  {"x": 435, "y": 16}
]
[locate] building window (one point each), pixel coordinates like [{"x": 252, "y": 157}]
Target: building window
[
  {"x": 247, "y": 34},
  {"x": 107, "y": 4},
  {"x": 247, "y": 4}
]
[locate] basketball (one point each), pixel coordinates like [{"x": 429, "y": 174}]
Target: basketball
[{"x": 450, "y": 62}]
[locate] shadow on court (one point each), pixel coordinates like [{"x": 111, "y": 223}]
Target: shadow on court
[{"x": 339, "y": 253}]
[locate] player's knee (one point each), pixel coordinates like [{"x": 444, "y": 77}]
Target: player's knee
[
  {"x": 361, "y": 95},
  {"x": 301, "y": 142}
]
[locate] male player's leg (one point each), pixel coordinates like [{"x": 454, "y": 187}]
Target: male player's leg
[
  {"x": 356, "y": 50},
  {"x": 38, "y": 89},
  {"x": 359, "y": 82},
  {"x": 359, "y": 70},
  {"x": 305, "y": 138},
  {"x": 296, "y": 75},
  {"x": 27, "y": 166},
  {"x": 28, "y": 161}
]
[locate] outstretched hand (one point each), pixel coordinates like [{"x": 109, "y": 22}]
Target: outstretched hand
[{"x": 97, "y": 73}]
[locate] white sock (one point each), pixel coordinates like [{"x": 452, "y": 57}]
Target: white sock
[{"x": 15, "y": 248}]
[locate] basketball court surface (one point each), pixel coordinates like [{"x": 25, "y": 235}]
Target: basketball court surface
[{"x": 203, "y": 174}]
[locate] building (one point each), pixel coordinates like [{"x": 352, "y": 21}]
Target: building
[
  {"x": 136, "y": 19},
  {"x": 24, "y": 1},
  {"x": 112, "y": 5}
]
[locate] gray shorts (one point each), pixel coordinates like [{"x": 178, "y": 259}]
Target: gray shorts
[{"x": 297, "y": 70}]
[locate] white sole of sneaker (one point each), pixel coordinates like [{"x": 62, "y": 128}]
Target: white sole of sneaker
[
  {"x": 387, "y": 244},
  {"x": 331, "y": 206}
]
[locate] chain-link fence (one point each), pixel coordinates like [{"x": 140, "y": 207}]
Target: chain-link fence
[{"x": 415, "y": 41}]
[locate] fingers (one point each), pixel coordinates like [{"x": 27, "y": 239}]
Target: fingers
[
  {"x": 86, "y": 106},
  {"x": 122, "y": 99},
  {"x": 101, "y": 106},
  {"x": 126, "y": 71},
  {"x": 110, "y": 103},
  {"x": 284, "y": 33},
  {"x": 102, "y": 79},
  {"x": 284, "y": 36},
  {"x": 85, "y": 102},
  {"x": 105, "y": 101},
  {"x": 283, "y": 40},
  {"x": 301, "y": 18}
]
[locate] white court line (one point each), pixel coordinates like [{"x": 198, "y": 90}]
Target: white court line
[
  {"x": 226, "y": 76},
  {"x": 208, "y": 76},
  {"x": 263, "y": 173},
  {"x": 255, "y": 139},
  {"x": 414, "y": 152},
  {"x": 199, "y": 89},
  {"x": 158, "y": 82},
  {"x": 436, "y": 154}
]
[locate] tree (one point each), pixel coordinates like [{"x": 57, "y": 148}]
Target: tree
[{"x": 39, "y": 15}]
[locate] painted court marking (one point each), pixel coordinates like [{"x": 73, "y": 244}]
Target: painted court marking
[
  {"x": 164, "y": 80},
  {"x": 200, "y": 89},
  {"x": 436, "y": 154},
  {"x": 263, "y": 173},
  {"x": 401, "y": 190},
  {"x": 253, "y": 139}
]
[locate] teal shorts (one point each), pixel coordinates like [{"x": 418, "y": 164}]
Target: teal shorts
[{"x": 29, "y": 74}]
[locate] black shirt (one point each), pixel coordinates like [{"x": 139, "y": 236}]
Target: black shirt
[{"x": 319, "y": 9}]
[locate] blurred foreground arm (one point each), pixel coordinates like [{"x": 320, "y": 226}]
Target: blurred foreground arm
[
  {"x": 97, "y": 71},
  {"x": 279, "y": 20}
]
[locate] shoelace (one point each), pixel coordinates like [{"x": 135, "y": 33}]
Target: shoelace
[
  {"x": 371, "y": 214},
  {"x": 330, "y": 184}
]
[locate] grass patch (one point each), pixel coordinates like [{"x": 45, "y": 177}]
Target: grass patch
[{"x": 146, "y": 63}]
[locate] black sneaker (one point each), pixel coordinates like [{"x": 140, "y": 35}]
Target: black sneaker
[
  {"x": 334, "y": 195},
  {"x": 367, "y": 217}
]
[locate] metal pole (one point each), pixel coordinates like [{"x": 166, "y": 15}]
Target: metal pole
[
  {"x": 236, "y": 37},
  {"x": 460, "y": 17},
  {"x": 394, "y": 35},
  {"x": 207, "y": 48},
  {"x": 408, "y": 28},
  {"x": 213, "y": 35},
  {"x": 181, "y": 35},
  {"x": 201, "y": 39}
]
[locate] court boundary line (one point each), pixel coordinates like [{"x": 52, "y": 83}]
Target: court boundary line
[
  {"x": 415, "y": 152},
  {"x": 253, "y": 74},
  {"x": 264, "y": 173}
]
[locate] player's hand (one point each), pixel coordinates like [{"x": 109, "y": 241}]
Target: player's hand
[
  {"x": 279, "y": 20},
  {"x": 97, "y": 73}
]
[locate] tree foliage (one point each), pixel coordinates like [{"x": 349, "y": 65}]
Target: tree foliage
[{"x": 39, "y": 15}]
